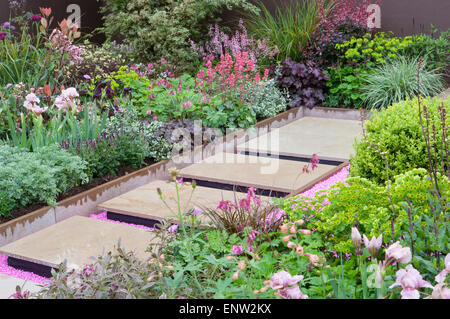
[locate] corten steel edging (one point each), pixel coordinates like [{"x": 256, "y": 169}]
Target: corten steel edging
[{"x": 86, "y": 203}]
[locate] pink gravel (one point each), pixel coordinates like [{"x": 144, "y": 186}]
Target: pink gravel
[
  {"x": 340, "y": 176},
  {"x": 102, "y": 216},
  {"x": 13, "y": 272}
]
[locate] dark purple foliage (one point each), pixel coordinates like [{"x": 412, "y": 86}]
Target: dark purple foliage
[{"x": 304, "y": 81}]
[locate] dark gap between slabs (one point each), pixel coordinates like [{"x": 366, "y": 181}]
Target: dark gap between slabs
[
  {"x": 236, "y": 188},
  {"x": 38, "y": 269},
  {"x": 292, "y": 158},
  {"x": 133, "y": 219}
]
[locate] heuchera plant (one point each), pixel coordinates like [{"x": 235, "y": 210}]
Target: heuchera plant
[{"x": 304, "y": 81}]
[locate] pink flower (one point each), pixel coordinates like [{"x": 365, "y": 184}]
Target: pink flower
[
  {"x": 396, "y": 253},
  {"x": 284, "y": 228},
  {"x": 252, "y": 236},
  {"x": 226, "y": 205},
  {"x": 283, "y": 279},
  {"x": 237, "y": 250},
  {"x": 155, "y": 118},
  {"x": 373, "y": 245},
  {"x": 440, "y": 291},
  {"x": 410, "y": 280},
  {"x": 440, "y": 278},
  {"x": 172, "y": 228},
  {"x": 32, "y": 103},
  {"x": 149, "y": 112},
  {"x": 292, "y": 293},
  {"x": 187, "y": 105}
]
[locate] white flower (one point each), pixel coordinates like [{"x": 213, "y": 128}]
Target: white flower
[{"x": 356, "y": 237}]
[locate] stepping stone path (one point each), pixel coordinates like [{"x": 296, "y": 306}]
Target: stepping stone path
[
  {"x": 219, "y": 177},
  {"x": 330, "y": 139}
]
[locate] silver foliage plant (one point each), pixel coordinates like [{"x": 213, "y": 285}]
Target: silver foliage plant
[{"x": 266, "y": 99}]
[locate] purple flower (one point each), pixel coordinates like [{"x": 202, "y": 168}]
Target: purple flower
[
  {"x": 8, "y": 25},
  {"x": 237, "y": 250},
  {"x": 2, "y": 35},
  {"x": 87, "y": 77},
  {"x": 197, "y": 211},
  {"x": 172, "y": 228}
]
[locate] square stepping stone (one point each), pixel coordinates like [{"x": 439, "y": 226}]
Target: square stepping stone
[
  {"x": 144, "y": 202},
  {"x": 75, "y": 239},
  {"x": 272, "y": 174},
  {"x": 330, "y": 139}
]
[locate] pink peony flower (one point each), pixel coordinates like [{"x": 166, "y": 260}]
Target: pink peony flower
[
  {"x": 410, "y": 280},
  {"x": 396, "y": 253}
]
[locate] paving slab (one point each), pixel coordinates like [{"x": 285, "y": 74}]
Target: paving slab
[
  {"x": 144, "y": 202},
  {"x": 253, "y": 171},
  {"x": 330, "y": 139},
  {"x": 77, "y": 239},
  {"x": 8, "y": 286}
]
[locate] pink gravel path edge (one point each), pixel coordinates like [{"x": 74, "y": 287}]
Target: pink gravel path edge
[{"x": 339, "y": 176}]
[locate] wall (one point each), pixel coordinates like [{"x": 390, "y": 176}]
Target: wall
[{"x": 403, "y": 17}]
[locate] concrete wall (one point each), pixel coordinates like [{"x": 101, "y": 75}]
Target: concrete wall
[{"x": 403, "y": 17}]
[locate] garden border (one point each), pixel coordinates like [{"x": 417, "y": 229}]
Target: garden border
[{"x": 85, "y": 203}]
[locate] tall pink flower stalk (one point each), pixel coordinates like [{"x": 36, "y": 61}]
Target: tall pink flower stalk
[{"x": 221, "y": 44}]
